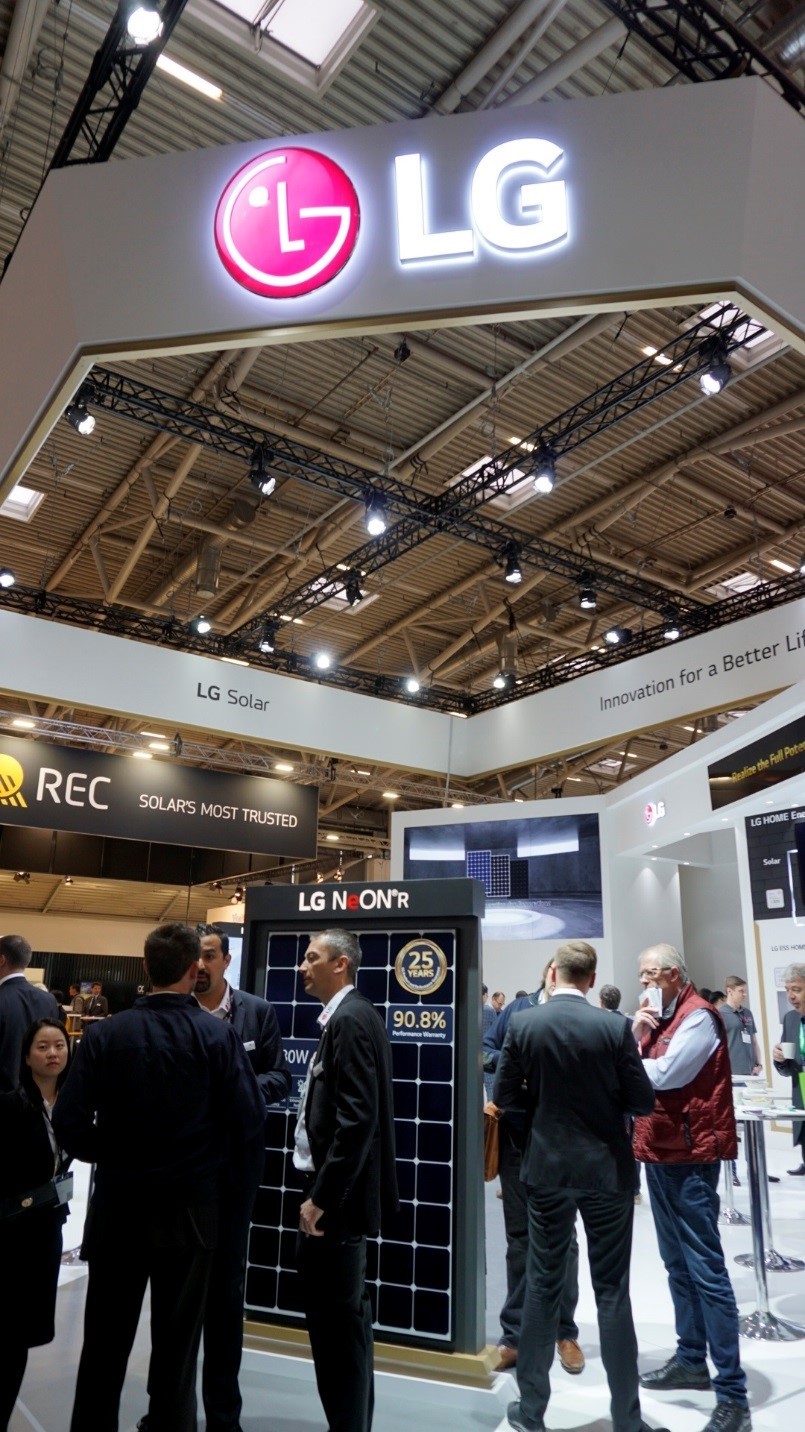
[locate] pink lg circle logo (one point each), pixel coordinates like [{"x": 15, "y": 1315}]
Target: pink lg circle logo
[{"x": 287, "y": 222}]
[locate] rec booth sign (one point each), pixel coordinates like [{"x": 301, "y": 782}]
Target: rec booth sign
[{"x": 51, "y": 787}]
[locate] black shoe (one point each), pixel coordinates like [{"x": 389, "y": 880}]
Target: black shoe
[
  {"x": 142, "y": 1425},
  {"x": 773, "y": 1178},
  {"x": 516, "y": 1419},
  {"x": 644, "y": 1427},
  {"x": 675, "y": 1376},
  {"x": 730, "y": 1417},
  {"x": 797, "y": 1172},
  {"x": 736, "y": 1182}
]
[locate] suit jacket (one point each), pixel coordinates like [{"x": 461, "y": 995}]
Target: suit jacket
[
  {"x": 582, "y": 1073},
  {"x": 349, "y": 1117},
  {"x": 792, "y": 1021},
  {"x": 97, "y": 1005},
  {"x": 20, "y": 1005},
  {"x": 255, "y": 1023},
  {"x": 158, "y": 1098}
]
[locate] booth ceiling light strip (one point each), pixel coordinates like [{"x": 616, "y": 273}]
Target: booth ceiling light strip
[
  {"x": 120, "y": 621},
  {"x": 701, "y": 42}
]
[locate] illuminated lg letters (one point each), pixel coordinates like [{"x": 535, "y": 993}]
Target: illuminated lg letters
[
  {"x": 547, "y": 201},
  {"x": 415, "y": 242},
  {"x": 538, "y": 215}
]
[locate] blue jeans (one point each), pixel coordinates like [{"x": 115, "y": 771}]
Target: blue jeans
[{"x": 684, "y": 1202}]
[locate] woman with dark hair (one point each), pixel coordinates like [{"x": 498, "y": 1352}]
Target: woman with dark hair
[{"x": 32, "y": 1213}]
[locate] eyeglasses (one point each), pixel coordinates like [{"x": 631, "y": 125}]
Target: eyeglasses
[{"x": 652, "y": 974}]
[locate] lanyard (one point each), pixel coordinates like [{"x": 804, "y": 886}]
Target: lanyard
[{"x": 802, "y": 1038}]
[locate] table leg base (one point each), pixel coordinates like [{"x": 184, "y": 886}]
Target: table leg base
[
  {"x": 773, "y": 1261},
  {"x": 72, "y": 1256},
  {"x": 732, "y": 1216},
  {"x": 765, "y": 1327}
]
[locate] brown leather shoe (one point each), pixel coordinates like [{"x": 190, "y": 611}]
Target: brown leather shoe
[
  {"x": 508, "y": 1358},
  {"x": 570, "y": 1355}
]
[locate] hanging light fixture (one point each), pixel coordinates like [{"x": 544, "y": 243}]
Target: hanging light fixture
[
  {"x": 718, "y": 372},
  {"x": 322, "y": 661},
  {"x": 617, "y": 636},
  {"x": 7, "y": 578},
  {"x": 543, "y": 469},
  {"x": 353, "y": 591},
  {"x": 376, "y": 521},
  {"x": 513, "y": 573},
  {"x": 670, "y": 629},
  {"x": 259, "y": 474},
  {"x": 143, "y": 22},
  {"x": 268, "y": 638},
  {"x": 77, "y": 413},
  {"x": 587, "y": 599},
  {"x": 203, "y": 625},
  {"x": 412, "y": 685}
]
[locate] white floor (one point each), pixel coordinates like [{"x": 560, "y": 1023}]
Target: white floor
[{"x": 279, "y": 1395}]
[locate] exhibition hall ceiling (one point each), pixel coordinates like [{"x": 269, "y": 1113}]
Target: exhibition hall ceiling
[{"x": 699, "y": 497}]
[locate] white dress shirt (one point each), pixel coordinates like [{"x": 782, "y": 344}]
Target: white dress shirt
[{"x": 302, "y": 1157}]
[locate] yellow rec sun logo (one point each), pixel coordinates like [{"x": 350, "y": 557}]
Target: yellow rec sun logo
[{"x": 11, "y": 779}]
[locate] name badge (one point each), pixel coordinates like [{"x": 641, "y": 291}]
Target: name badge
[
  {"x": 64, "y": 1187},
  {"x": 249, "y": 1044},
  {"x": 747, "y": 1038},
  {"x": 317, "y": 1069}
]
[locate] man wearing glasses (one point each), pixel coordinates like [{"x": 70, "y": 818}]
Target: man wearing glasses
[{"x": 684, "y": 1048}]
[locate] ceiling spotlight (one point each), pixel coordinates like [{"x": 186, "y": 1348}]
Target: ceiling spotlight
[
  {"x": 412, "y": 686},
  {"x": 718, "y": 371},
  {"x": 353, "y": 591},
  {"x": 587, "y": 599},
  {"x": 7, "y": 578},
  {"x": 375, "y": 514},
  {"x": 543, "y": 469},
  {"x": 22, "y": 877},
  {"x": 802, "y": 566},
  {"x": 617, "y": 636},
  {"x": 143, "y": 22},
  {"x": 402, "y": 352},
  {"x": 68, "y": 879},
  {"x": 202, "y": 625},
  {"x": 513, "y": 573},
  {"x": 670, "y": 629},
  {"x": 500, "y": 683},
  {"x": 260, "y": 475},
  {"x": 322, "y": 661},
  {"x": 77, "y": 413},
  {"x": 268, "y": 638}
]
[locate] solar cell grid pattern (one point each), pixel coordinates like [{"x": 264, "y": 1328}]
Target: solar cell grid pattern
[
  {"x": 479, "y": 867},
  {"x": 410, "y": 1266}
]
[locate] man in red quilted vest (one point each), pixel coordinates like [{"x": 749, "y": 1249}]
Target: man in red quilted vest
[{"x": 682, "y": 1143}]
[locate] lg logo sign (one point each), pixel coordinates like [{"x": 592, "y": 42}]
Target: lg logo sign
[{"x": 288, "y": 221}]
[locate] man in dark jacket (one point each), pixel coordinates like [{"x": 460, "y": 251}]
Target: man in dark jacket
[
  {"x": 20, "y": 1005},
  {"x": 581, "y": 1075},
  {"x": 683, "y": 1044},
  {"x": 344, "y": 1151},
  {"x": 794, "y": 1034},
  {"x": 157, "y": 1098},
  {"x": 512, "y": 1133}
]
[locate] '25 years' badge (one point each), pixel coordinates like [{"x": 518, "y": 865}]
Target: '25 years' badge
[{"x": 421, "y": 967}]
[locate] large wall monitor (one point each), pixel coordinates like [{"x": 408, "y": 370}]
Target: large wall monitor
[{"x": 541, "y": 875}]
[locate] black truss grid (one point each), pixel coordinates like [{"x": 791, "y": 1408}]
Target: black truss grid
[
  {"x": 118, "y": 75},
  {"x": 455, "y": 511},
  {"x": 118, "y": 621},
  {"x": 702, "y": 43}
]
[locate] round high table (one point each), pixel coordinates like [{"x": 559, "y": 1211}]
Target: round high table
[{"x": 762, "y": 1324}]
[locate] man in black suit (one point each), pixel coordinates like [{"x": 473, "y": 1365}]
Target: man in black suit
[
  {"x": 344, "y": 1150},
  {"x": 96, "y": 1006},
  {"x": 20, "y": 1004},
  {"x": 578, "y": 1073},
  {"x": 157, "y": 1098},
  {"x": 794, "y": 1033}
]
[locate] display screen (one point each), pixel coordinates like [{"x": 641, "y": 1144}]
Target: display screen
[
  {"x": 410, "y": 1275},
  {"x": 541, "y": 876}
]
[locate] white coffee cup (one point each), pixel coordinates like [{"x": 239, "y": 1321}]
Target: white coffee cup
[
  {"x": 652, "y": 999},
  {"x": 789, "y": 1050}
]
